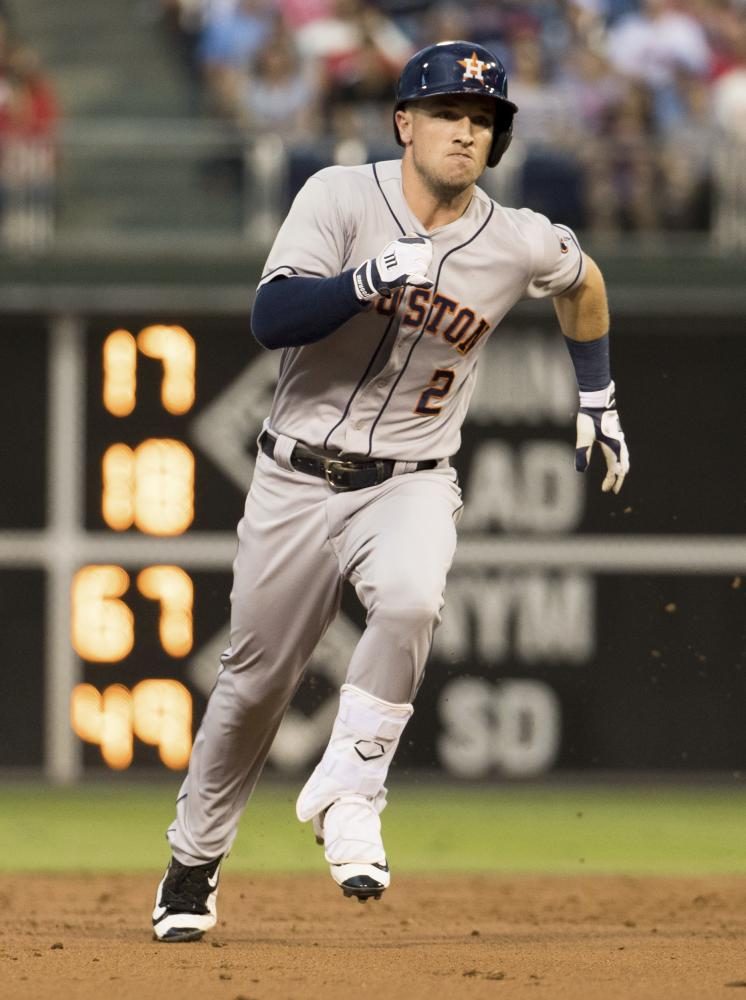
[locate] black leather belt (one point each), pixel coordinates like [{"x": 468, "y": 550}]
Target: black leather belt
[{"x": 340, "y": 474}]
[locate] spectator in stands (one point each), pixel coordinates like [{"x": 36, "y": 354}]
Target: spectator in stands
[
  {"x": 729, "y": 120},
  {"x": 545, "y": 115},
  {"x": 686, "y": 149},
  {"x": 724, "y": 23},
  {"x": 229, "y": 42},
  {"x": 27, "y": 152},
  {"x": 590, "y": 90},
  {"x": 653, "y": 46},
  {"x": 280, "y": 92},
  {"x": 623, "y": 181},
  {"x": 361, "y": 52},
  {"x": 729, "y": 93},
  {"x": 550, "y": 177},
  {"x": 608, "y": 90},
  {"x": 298, "y": 13},
  {"x": 32, "y": 109},
  {"x": 444, "y": 20},
  {"x": 184, "y": 21}
]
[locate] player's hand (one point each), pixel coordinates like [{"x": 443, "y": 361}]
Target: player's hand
[
  {"x": 601, "y": 424},
  {"x": 402, "y": 262}
]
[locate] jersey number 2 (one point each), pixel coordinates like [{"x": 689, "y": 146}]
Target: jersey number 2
[{"x": 432, "y": 398}]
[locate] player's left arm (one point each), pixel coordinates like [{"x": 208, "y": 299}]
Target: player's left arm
[{"x": 583, "y": 314}]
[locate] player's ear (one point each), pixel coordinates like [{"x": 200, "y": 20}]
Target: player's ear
[{"x": 403, "y": 119}]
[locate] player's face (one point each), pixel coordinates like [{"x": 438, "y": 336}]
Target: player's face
[{"x": 450, "y": 139}]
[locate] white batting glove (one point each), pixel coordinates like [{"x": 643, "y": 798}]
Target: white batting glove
[
  {"x": 598, "y": 421},
  {"x": 402, "y": 262}
]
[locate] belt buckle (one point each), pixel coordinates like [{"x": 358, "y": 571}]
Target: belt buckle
[
  {"x": 333, "y": 471},
  {"x": 335, "y": 468}
]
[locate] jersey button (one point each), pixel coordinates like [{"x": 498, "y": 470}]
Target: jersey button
[{"x": 357, "y": 425}]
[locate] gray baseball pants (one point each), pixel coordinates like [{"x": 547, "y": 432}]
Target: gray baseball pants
[{"x": 297, "y": 543}]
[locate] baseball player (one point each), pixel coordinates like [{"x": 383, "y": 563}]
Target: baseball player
[{"x": 381, "y": 289}]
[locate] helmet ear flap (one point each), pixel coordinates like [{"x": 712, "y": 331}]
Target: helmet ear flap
[
  {"x": 502, "y": 134},
  {"x": 499, "y": 144}
]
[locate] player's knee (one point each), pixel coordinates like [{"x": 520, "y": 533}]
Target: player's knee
[
  {"x": 253, "y": 680},
  {"x": 410, "y": 612}
]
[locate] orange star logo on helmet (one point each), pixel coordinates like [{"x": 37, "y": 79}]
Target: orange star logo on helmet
[{"x": 472, "y": 68}]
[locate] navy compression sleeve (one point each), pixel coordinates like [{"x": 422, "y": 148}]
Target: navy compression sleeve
[
  {"x": 290, "y": 312},
  {"x": 590, "y": 359}
]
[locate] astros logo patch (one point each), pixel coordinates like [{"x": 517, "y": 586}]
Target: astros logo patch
[{"x": 472, "y": 68}]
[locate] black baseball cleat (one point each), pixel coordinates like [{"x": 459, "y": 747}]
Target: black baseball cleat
[
  {"x": 186, "y": 901},
  {"x": 362, "y": 886}
]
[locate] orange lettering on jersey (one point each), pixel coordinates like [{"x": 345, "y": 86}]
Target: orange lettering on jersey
[
  {"x": 441, "y": 305},
  {"x": 457, "y": 321},
  {"x": 418, "y": 300},
  {"x": 387, "y": 307},
  {"x": 467, "y": 345},
  {"x": 459, "y": 326}
]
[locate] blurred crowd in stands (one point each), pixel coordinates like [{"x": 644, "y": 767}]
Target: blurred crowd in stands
[
  {"x": 632, "y": 113},
  {"x": 28, "y": 118},
  {"x": 621, "y": 101}
]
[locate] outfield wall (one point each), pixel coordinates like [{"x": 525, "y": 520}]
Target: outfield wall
[{"x": 580, "y": 630}]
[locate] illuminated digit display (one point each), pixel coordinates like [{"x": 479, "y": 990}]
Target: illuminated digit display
[
  {"x": 156, "y": 711},
  {"x": 171, "y": 345},
  {"x": 173, "y": 589},
  {"x": 148, "y": 486},
  {"x": 104, "y": 718},
  {"x": 162, "y": 717},
  {"x": 103, "y": 627},
  {"x": 120, "y": 373}
]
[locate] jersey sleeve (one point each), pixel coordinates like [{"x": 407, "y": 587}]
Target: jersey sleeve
[
  {"x": 312, "y": 240},
  {"x": 558, "y": 263}
]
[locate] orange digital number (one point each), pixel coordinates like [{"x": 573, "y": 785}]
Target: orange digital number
[
  {"x": 157, "y": 711},
  {"x": 103, "y": 627},
  {"x": 171, "y": 345},
  {"x": 150, "y": 487}
]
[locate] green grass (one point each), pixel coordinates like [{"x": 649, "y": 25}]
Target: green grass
[{"x": 428, "y": 827}]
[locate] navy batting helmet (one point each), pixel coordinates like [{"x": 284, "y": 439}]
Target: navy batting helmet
[{"x": 459, "y": 68}]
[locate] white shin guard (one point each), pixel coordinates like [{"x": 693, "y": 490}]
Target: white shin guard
[{"x": 346, "y": 793}]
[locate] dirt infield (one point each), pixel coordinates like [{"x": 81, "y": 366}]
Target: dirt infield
[{"x": 296, "y": 937}]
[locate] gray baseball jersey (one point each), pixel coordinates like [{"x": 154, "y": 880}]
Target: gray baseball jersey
[{"x": 395, "y": 380}]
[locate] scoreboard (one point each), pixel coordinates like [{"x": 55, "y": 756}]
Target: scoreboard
[
  {"x": 580, "y": 630},
  {"x": 111, "y": 518}
]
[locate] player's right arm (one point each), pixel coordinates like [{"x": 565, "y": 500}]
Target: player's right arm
[
  {"x": 306, "y": 292},
  {"x": 294, "y": 310}
]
